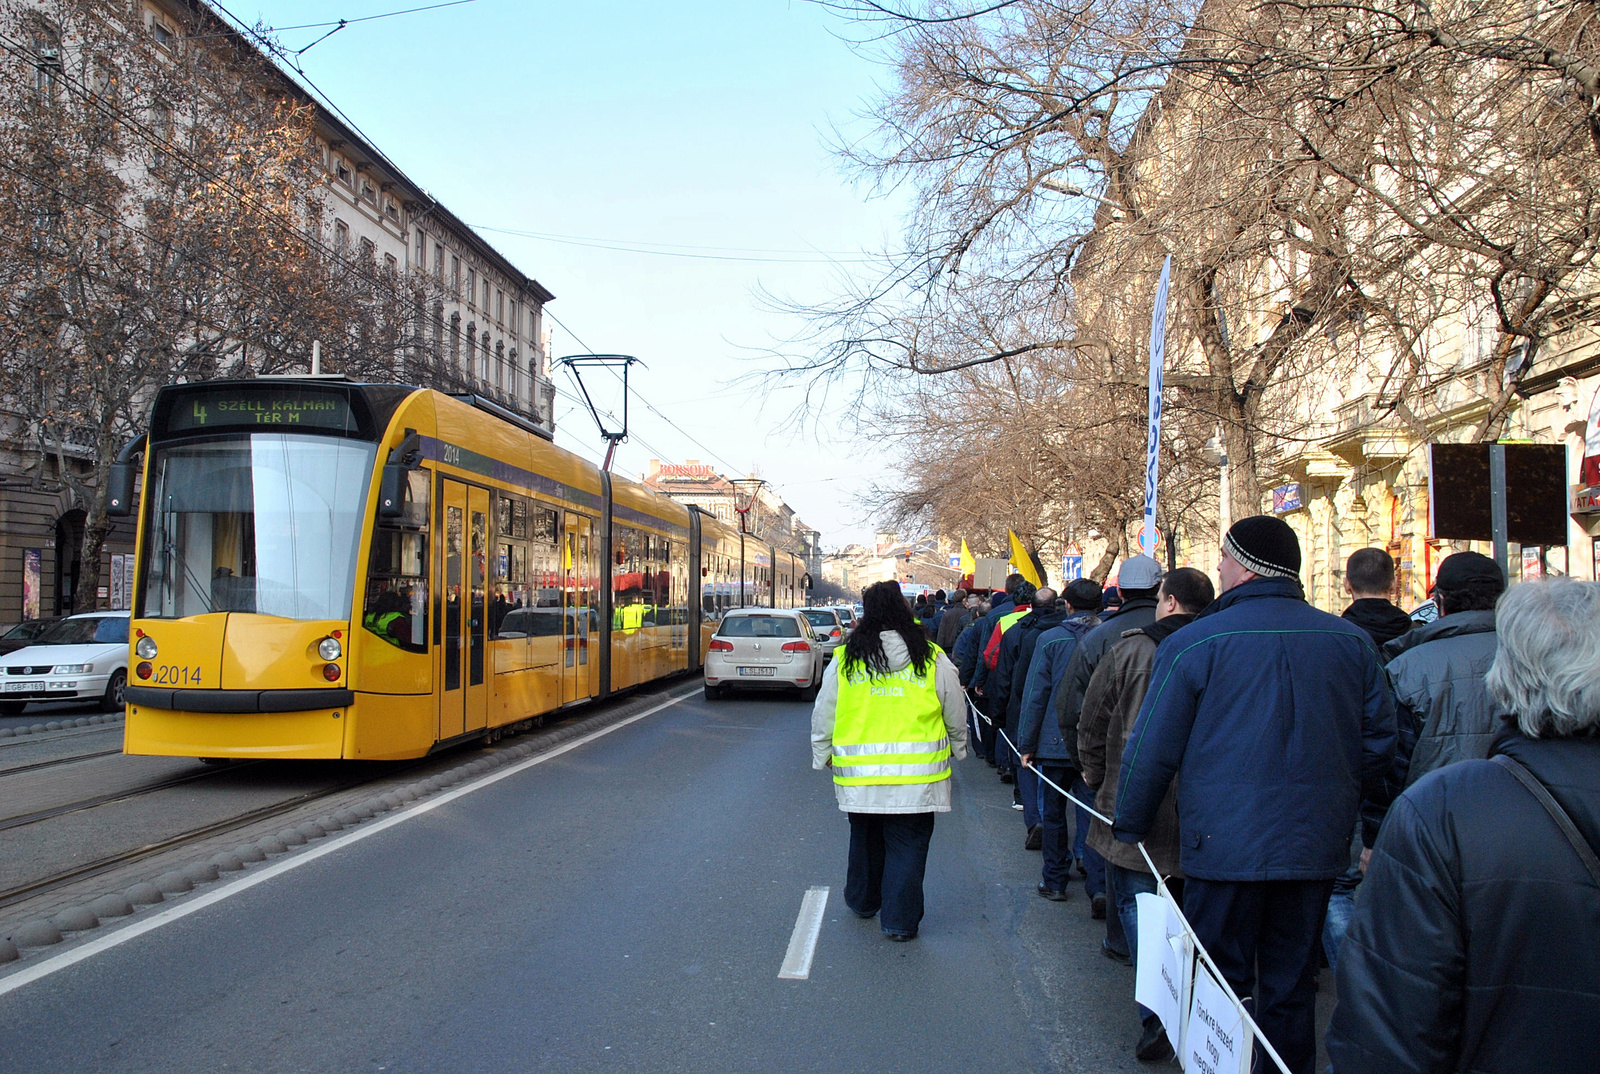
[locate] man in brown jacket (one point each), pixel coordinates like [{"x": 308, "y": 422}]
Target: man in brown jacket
[{"x": 1110, "y": 707}]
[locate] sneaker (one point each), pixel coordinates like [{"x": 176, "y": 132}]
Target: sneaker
[
  {"x": 1114, "y": 955},
  {"x": 1097, "y": 907},
  {"x": 1017, "y": 806},
  {"x": 1153, "y": 1046},
  {"x": 1053, "y": 894},
  {"x": 1035, "y": 840}
]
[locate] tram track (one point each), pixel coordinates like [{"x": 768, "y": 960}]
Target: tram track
[
  {"x": 55, "y": 761},
  {"x": 17, "y": 894},
  {"x": 24, "y": 819}
]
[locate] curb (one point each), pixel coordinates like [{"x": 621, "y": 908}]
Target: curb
[{"x": 60, "y": 725}]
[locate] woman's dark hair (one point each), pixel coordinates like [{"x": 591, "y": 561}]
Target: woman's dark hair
[{"x": 883, "y": 607}]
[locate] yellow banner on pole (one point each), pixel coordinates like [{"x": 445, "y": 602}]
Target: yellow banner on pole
[
  {"x": 968, "y": 564},
  {"x": 1022, "y": 561}
]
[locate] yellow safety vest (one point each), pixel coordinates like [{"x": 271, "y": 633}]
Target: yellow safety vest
[{"x": 889, "y": 730}]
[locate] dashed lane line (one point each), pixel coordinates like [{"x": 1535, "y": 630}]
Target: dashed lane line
[
  {"x": 803, "y": 941},
  {"x": 22, "y": 978}
]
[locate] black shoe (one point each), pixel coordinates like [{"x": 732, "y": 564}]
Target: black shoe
[
  {"x": 1153, "y": 1046},
  {"x": 1053, "y": 894},
  {"x": 1114, "y": 955},
  {"x": 900, "y": 937},
  {"x": 1035, "y": 838},
  {"x": 865, "y": 915},
  {"x": 1082, "y": 872},
  {"x": 1007, "y": 776},
  {"x": 1097, "y": 907}
]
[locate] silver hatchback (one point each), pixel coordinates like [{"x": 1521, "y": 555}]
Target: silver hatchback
[
  {"x": 764, "y": 648},
  {"x": 830, "y": 628}
]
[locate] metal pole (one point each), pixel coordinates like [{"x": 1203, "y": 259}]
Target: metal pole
[{"x": 1497, "y": 506}]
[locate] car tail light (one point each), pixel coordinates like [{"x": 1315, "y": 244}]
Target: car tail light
[
  {"x": 837, "y": 632},
  {"x": 797, "y": 646},
  {"x": 720, "y": 646},
  {"x": 143, "y": 670}
]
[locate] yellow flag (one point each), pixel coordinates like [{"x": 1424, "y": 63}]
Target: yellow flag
[
  {"x": 968, "y": 564},
  {"x": 1022, "y": 561}
]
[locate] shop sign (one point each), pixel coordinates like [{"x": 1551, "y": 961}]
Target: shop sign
[
  {"x": 1585, "y": 500},
  {"x": 1286, "y": 498}
]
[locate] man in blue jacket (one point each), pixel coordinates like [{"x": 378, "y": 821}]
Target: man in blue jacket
[
  {"x": 1000, "y": 605},
  {"x": 1273, "y": 716},
  {"x": 1039, "y": 735}
]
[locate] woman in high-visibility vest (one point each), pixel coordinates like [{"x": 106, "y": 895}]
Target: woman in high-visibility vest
[{"x": 889, "y": 719}]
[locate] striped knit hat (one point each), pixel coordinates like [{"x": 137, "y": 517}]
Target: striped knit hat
[{"x": 1265, "y": 545}]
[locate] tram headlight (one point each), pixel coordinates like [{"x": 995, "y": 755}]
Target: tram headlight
[
  {"x": 146, "y": 648},
  {"x": 330, "y": 649}
]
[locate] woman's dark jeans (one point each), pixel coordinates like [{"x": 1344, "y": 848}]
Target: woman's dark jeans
[{"x": 888, "y": 856}]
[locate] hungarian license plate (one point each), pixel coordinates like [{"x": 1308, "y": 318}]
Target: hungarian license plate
[
  {"x": 22, "y": 687},
  {"x": 758, "y": 671}
]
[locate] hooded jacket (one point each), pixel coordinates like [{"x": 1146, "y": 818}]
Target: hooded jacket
[
  {"x": 1472, "y": 945},
  {"x": 1379, "y": 618},
  {"x": 1110, "y": 708},
  {"x": 1274, "y": 717},
  {"x": 1133, "y": 615},
  {"x": 1038, "y": 732},
  {"x": 1010, "y": 673},
  {"x": 892, "y": 798}
]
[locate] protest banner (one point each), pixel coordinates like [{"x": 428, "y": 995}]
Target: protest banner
[
  {"x": 1164, "y": 965},
  {"x": 1216, "y": 1040}
]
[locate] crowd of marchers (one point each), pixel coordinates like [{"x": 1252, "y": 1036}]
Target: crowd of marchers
[{"x": 1417, "y": 806}]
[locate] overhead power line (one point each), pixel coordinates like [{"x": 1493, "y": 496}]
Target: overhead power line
[{"x": 618, "y": 246}]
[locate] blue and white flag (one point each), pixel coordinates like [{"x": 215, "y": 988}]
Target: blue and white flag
[{"x": 1152, "y": 455}]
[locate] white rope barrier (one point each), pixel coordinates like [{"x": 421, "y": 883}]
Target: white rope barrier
[{"x": 1161, "y": 889}]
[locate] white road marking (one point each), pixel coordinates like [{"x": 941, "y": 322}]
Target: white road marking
[
  {"x": 94, "y": 947},
  {"x": 803, "y": 943}
]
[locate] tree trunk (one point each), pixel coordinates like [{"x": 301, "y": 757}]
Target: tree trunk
[
  {"x": 1108, "y": 559},
  {"x": 96, "y": 525},
  {"x": 1244, "y": 481}
]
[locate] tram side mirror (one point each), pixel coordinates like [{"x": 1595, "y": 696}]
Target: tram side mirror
[
  {"x": 119, "y": 489},
  {"x": 391, "y": 490}
]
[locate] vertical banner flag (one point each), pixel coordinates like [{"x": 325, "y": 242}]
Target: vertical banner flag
[
  {"x": 1152, "y": 454},
  {"x": 968, "y": 565},
  {"x": 1022, "y": 561}
]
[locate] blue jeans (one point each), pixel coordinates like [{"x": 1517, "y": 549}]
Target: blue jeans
[
  {"x": 1057, "y": 845},
  {"x": 1128, "y": 885},
  {"x": 1341, "y": 908},
  {"x": 888, "y": 857},
  {"x": 1028, "y": 785},
  {"x": 1093, "y": 864}
]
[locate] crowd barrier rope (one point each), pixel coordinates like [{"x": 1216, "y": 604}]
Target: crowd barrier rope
[{"x": 1214, "y": 1039}]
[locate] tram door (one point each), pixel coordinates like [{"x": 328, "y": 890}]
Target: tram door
[
  {"x": 580, "y": 619},
  {"x": 464, "y": 695}
]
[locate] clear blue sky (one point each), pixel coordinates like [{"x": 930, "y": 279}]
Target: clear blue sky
[{"x": 699, "y": 124}]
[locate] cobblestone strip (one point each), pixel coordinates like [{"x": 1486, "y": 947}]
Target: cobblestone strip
[
  {"x": 61, "y": 725},
  {"x": 74, "y": 910}
]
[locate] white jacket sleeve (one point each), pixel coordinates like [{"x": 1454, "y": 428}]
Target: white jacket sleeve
[
  {"x": 947, "y": 681},
  {"x": 822, "y": 715}
]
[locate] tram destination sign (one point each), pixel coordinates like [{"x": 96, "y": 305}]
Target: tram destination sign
[{"x": 265, "y": 406}]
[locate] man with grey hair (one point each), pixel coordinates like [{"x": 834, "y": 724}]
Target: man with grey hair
[{"x": 1475, "y": 944}]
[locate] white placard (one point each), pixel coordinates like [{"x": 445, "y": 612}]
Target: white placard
[
  {"x": 1217, "y": 1040},
  {"x": 1161, "y": 980},
  {"x": 127, "y": 582},
  {"x": 116, "y": 583}
]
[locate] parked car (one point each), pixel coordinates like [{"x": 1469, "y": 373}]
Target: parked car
[
  {"x": 25, "y": 634},
  {"x": 764, "y": 648},
  {"x": 79, "y": 658},
  {"x": 847, "y": 616},
  {"x": 829, "y": 628}
]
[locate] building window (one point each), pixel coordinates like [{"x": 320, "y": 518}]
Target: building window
[
  {"x": 511, "y": 373},
  {"x": 391, "y": 210},
  {"x": 486, "y": 296},
  {"x": 367, "y": 249},
  {"x": 500, "y": 363},
  {"x": 512, "y": 323},
  {"x": 472, "y": 286},
  {"x": 422, "y": 251},
  {"x": 390, "y": 263},
  {"x": 455, "y": 341},
  {"x": 472, "y": 349},
  {"x": 455, "y": 275},
  {"x": 342, "y": 170},
  {"x": 438, "y": 330},
  {"x": 438, "y": 261},
  {"x": 368, "y": 194},
  {"x": 341, "y": 235}
]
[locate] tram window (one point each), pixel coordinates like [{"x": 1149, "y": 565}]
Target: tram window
[
  {"x": 267, "y": 523},
  {"x": 396, "y": 607},
  {"x": 510, "y": 583},
  {"x": 630, "y": 579}
]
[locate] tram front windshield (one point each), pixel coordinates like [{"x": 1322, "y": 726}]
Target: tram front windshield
[{"x": 265, "y": 522}]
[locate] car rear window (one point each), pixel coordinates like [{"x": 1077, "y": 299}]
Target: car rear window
[
  {"x": 758, "y": 626},
  {"x": 821, "y": 618}
]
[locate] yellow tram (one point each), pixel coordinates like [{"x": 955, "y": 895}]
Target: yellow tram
[{"x": 337, "y": 570}]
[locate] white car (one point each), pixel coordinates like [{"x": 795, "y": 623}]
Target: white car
[
  {"x": 829, "y": 628},
  {"x": 847, "y": 616},
  {"x": 81, "y": 658},
  {"x": 764, "y": 648}
]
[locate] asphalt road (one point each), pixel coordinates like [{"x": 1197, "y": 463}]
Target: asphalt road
[{"x": 622, "y": 907}]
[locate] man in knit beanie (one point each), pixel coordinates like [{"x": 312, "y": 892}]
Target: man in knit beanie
[{"x": 1273, "y": 717}]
